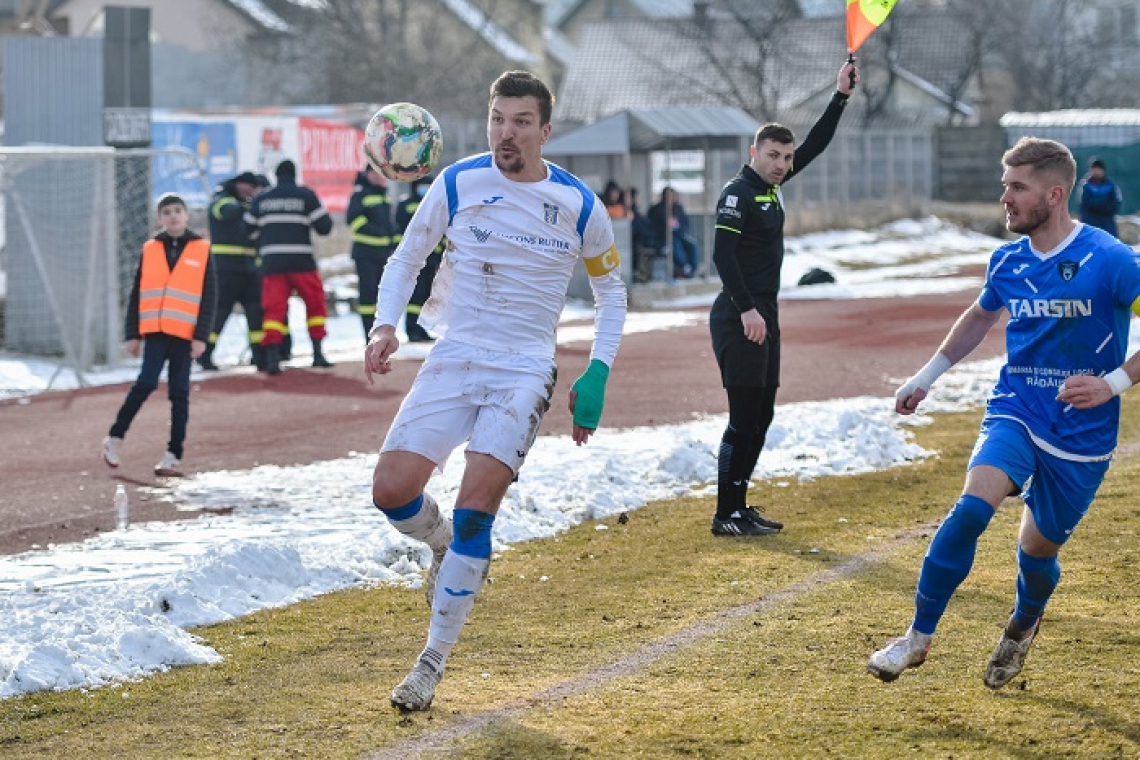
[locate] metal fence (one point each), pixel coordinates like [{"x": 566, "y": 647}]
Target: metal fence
[{"x": 74, "y": 223}]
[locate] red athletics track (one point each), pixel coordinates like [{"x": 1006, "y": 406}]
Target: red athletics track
[{"x": 56, "y": 488}]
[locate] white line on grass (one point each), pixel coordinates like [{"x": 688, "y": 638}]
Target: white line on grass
[{"x": 440, "y": 739}]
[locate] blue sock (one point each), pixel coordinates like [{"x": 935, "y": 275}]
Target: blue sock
[
  {"x": 948, "y": 560},
  {"x": 406, "y": 512},
  {"x": 472, "y": 533},
  {"x": 1036, "y": 579}
]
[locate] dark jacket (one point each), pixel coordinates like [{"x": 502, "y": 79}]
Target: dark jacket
[
  {"x": 1100, "y": 202},
  {"x": 370, "y": 219},
  {"x": 406, "y": 209},
  {"x": 749, "y": 242},
  {"x": 206, "y": 309},
  {"x": 657, "y": 221},
  {"x": 283, "y": 220},
  {"x": 231, "y": 245}
]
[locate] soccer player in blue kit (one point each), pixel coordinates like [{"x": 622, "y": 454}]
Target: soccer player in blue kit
[{"x": 1051, "y": 423}]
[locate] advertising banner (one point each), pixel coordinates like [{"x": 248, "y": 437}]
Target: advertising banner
[{"x": 332, "y": 156}]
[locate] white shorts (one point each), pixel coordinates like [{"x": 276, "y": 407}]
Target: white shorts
[{"x": 492, "y": 399}]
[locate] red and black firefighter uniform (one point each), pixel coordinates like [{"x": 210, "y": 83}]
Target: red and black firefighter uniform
[
  {"x": 283, "y": 220},
  {"x": 172, "y": 304},
  {"x": 235, "y": 261},
  {"x": 405, "y": 209},
  {"x": 370, "y": 219}
]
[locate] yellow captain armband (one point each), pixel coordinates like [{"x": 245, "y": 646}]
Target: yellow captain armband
[
  {"x": 1136, "y": 307},
  {"x": 607, "y": 262}
]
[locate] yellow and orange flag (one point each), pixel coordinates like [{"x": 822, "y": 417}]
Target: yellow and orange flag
[{"x": 864, "y": 17}]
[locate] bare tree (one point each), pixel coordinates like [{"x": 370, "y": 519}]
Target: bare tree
[
  {"x": 388, "y": 50},
  {"x": 1049, "y": 50}
]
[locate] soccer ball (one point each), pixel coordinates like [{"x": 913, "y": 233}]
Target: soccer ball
[{"x": 403, "y": 142}]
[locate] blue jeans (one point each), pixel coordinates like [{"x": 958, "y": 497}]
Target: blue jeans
[
  {"x": 160, "y": 349},
  {"x": 686, "y": 254}
]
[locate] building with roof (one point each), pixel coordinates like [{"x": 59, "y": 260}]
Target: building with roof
[
  {"x": 213, "y": 53},
  {"x": 663, "y": 62}
]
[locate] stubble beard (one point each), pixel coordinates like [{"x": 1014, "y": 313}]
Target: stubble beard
[
  {"x": 510, "y": 166},
  {"x": 1030, "y": 220}
]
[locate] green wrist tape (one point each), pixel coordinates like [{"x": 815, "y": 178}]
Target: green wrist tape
[{"x": 591, "y": 390}]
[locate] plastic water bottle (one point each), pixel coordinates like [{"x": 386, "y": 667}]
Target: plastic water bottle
[{"x": 122, "y": 508}]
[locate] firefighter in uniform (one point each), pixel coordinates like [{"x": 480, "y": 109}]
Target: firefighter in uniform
[
  {"x": 235, "y": 262},
  {"x": 283, "y": 219},
  {"x": 373, "y": 238},
  {"x": 744, "y": 321},
  {"x": 404, "y": 211}
]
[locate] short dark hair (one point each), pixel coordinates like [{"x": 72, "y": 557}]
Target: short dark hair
[
  {"x": 1047, "y": 156},
  {"x": 286, "y": 169},
  {"x": 774, "y": 132},
  {"x": 520, "y": 84},
  {"x": 1096, "y": 163},
  {"x": 170, "y": 199}
]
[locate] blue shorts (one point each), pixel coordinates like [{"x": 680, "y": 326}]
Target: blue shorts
[{"x": 1057, "y": 491}]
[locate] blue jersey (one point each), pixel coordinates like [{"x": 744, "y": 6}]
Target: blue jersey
[{"x": 1069, "y": 313}]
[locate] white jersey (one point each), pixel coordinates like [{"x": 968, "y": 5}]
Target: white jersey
[{"x": 511, "y": 251}]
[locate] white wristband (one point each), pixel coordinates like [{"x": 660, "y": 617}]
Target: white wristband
[
  {"x": 1118, "y": 380},
  {"x": 933, "y": 370}
]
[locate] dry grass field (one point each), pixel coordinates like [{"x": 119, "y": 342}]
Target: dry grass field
[{"x": 653, "y": 639}]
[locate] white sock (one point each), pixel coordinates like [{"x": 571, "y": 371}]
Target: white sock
[
  {"x": 460, "y": 579},
  {"x": 427, "y": 525}
]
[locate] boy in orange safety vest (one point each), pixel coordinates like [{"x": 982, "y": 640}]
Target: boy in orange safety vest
[{"x": 171, "y": 311}]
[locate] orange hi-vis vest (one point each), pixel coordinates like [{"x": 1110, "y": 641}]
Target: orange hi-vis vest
[{"x": 169, "y": 299}]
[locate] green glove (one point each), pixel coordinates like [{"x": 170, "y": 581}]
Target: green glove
[{"x": 591, "y": 390}]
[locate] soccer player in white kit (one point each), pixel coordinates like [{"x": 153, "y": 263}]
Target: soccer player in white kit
[{"x": 516, "y": 226}]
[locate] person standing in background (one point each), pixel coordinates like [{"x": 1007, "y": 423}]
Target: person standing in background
[
  {"x": 1099, "y": 198},
  {"x": 234, "y": 257},
  {"x": 283, "y": 220},
  {"x": 405, "y": 210},
  {"x": 170, "y": 314},
  {"x": 373, "y": 238}
]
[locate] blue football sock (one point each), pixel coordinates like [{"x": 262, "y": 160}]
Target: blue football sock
[
  {"x": 406, "y": 512},
  {"x": 1037, "y": 577},
  {"x": 472, "y": 536},
  {"x": 949, "y": 559}
]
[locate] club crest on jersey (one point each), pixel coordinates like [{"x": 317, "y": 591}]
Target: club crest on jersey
[
  {"x": 1068, "y": 269},
  {"x": 550, "y": 213}
]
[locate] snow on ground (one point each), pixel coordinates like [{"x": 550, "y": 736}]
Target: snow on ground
[{"x": 118, "y": 606}]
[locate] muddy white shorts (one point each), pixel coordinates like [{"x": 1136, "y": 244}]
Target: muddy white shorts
[{"x": 493, "y": 400}]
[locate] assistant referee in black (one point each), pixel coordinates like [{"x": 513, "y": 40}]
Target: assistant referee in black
[{"x": 744, "y": 321}]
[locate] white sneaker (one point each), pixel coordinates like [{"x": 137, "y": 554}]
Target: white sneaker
[
  {"x": 417, "y": 689},
  {"x": 169, "y": 467},
  {"x": 907, "y": 651},
  {"x": 1009, "y": 655},
  {"x": 112, "y": 451}
]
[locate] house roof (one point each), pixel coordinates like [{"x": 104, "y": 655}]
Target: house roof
[
  {"x": 563, "y": 11},
  {"x": 641, "y": 130},
  {"x": 494, "y": 35},
  {"x": 646, "y": 63},
  {"x": 1083, "y": 117}
]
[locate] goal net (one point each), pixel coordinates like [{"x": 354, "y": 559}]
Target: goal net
[{"x": 74, "y": 221}]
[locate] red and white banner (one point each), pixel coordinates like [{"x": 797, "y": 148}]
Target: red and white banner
[{"x": 331, "y": 155}]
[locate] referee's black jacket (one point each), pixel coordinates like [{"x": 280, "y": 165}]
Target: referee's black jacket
[{"x": 749, "y": 242}]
